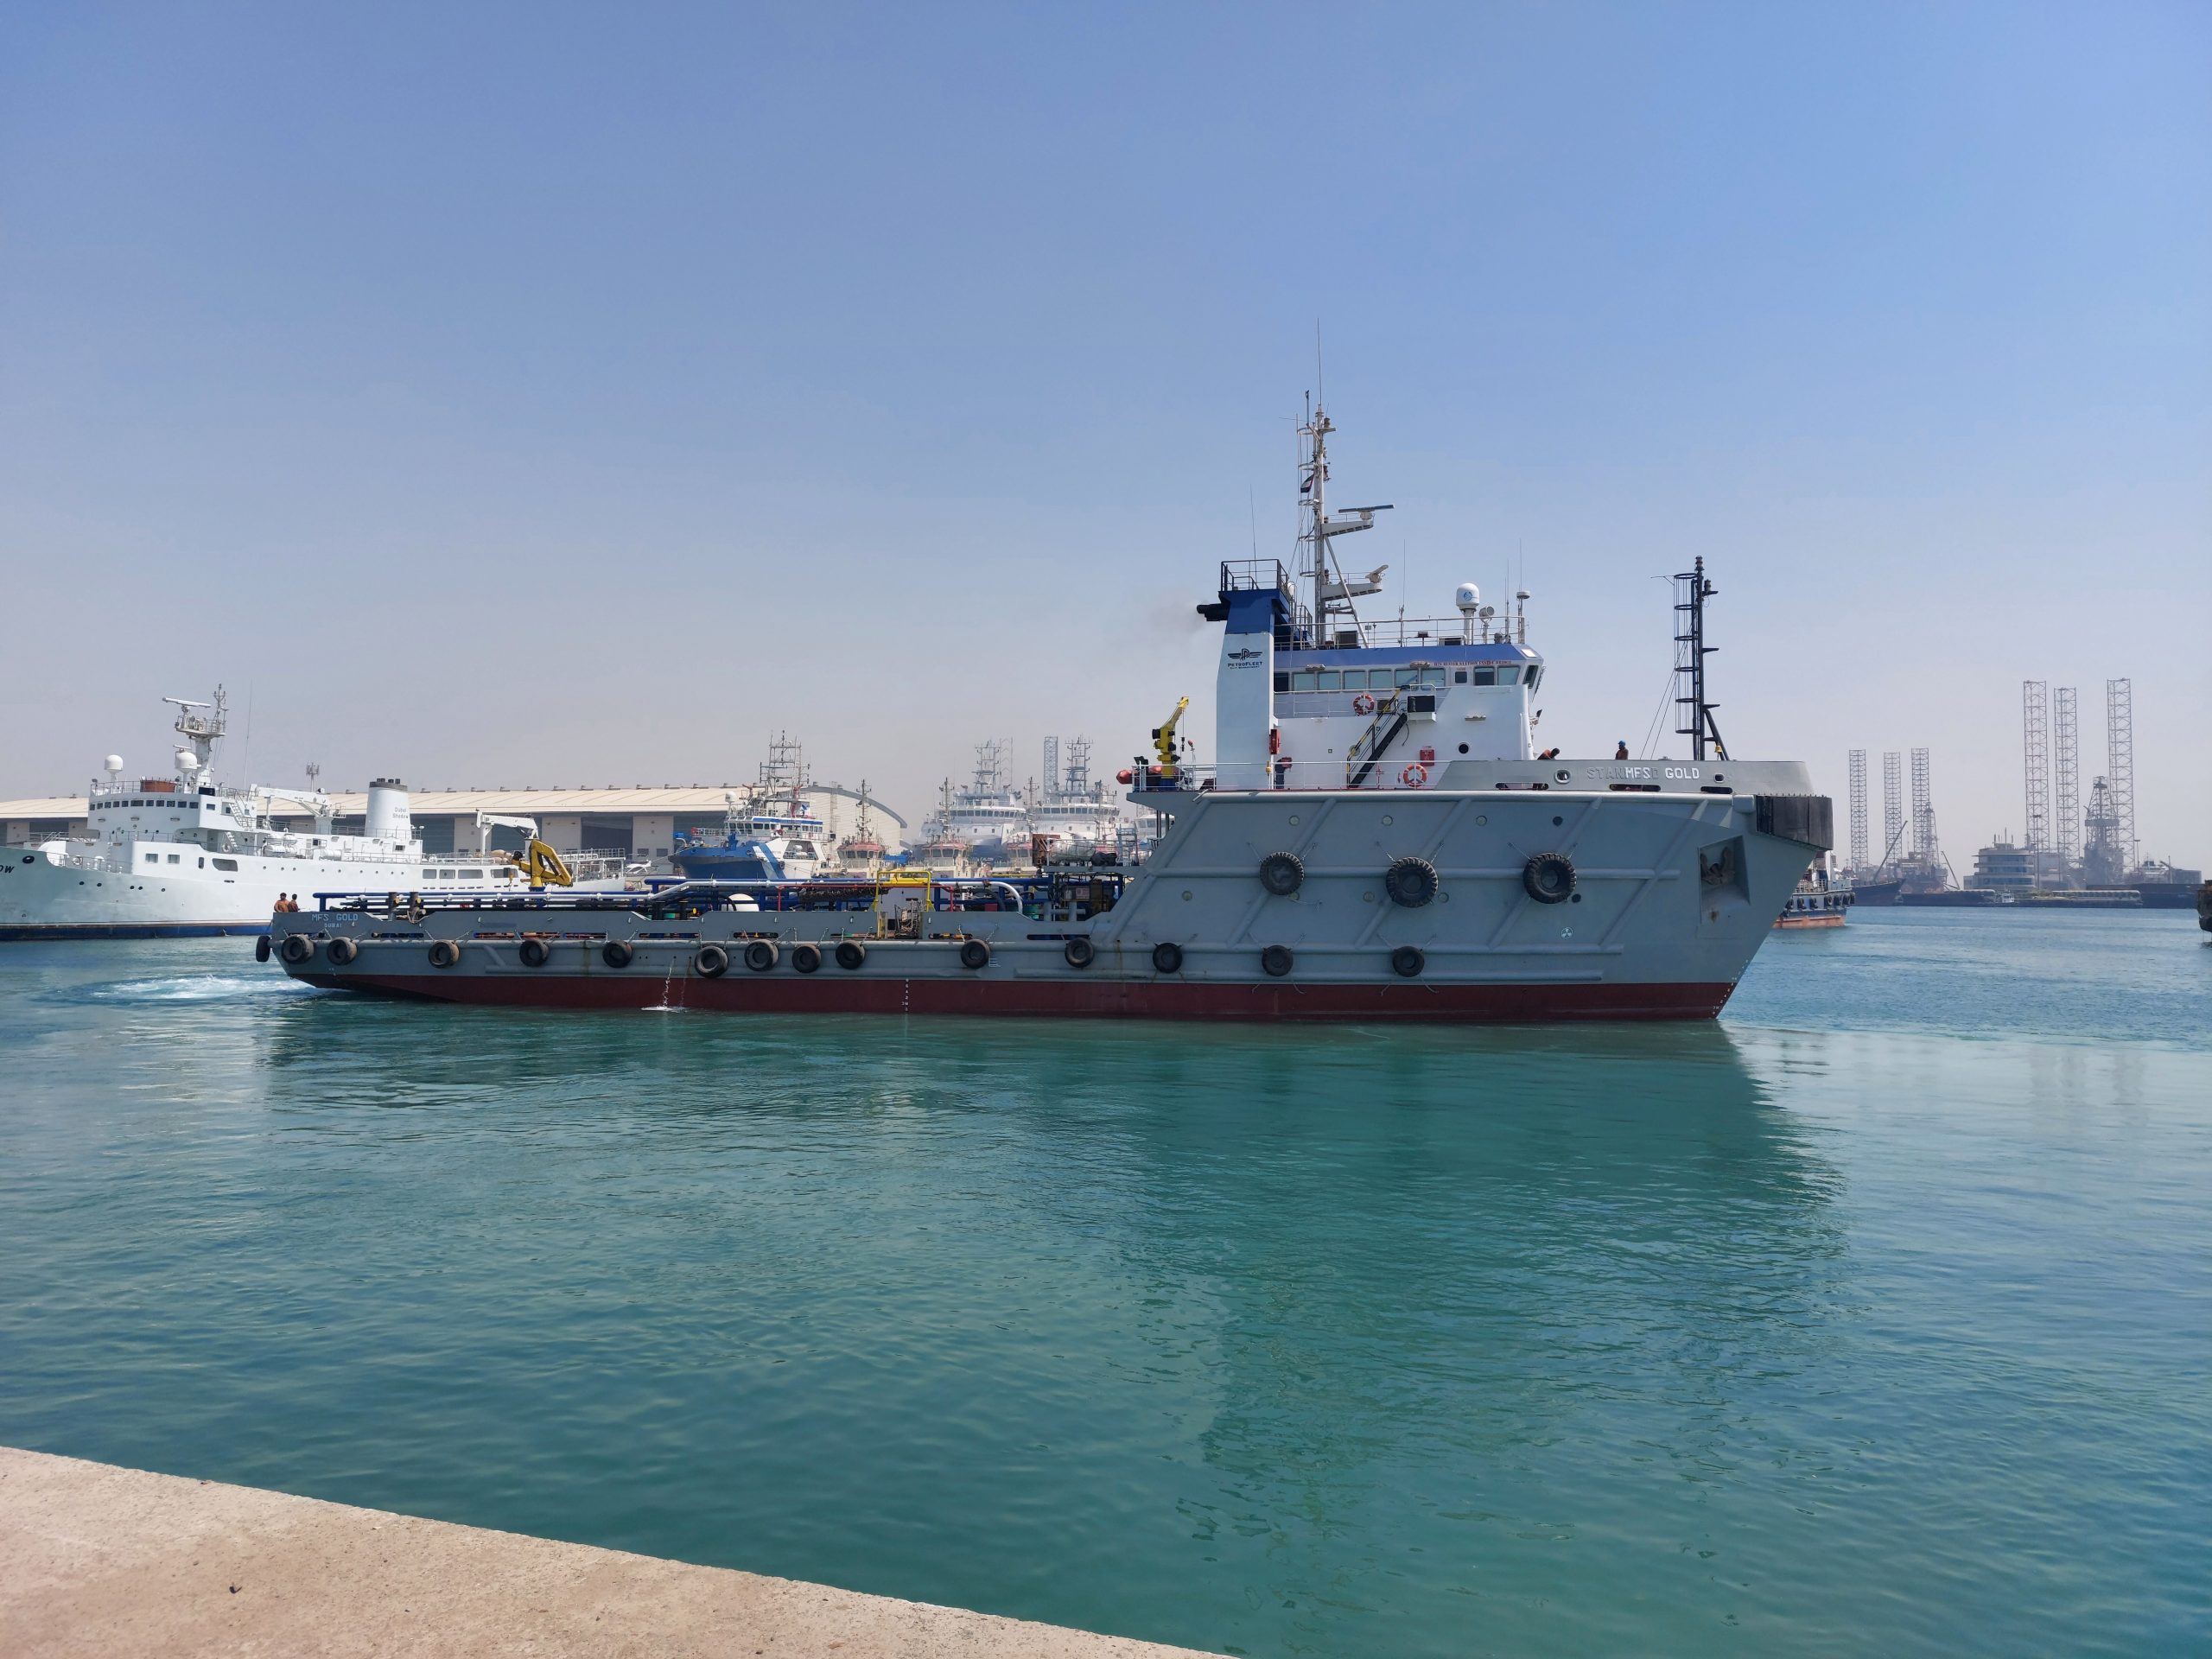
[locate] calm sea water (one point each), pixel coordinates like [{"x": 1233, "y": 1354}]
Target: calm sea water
[{"x": 1876, "y": 1319}]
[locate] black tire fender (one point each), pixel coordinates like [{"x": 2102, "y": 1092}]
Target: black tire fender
[
  {"x": 1406, "y": 962},
  {"x": 533, "y": 952},
  {"x": 617, "y": 953},
  {"x": 851, "y": 953},
  {"x": 1411, "y": 882},
  {"x": 261, "y": 950},
  {"x": 807, "y": 958},
  {"x": 1277, "y": 960},
  {"x": 342, "y": 951},
  {"x": 296, "y": 949},
  {"x": 1080, "y": 953},
  {"x": 973, "y": 953},
  {"x": 1548, "y": 878},
  {"x": 1282, "y": 874},
  {"x": 444, "y": 953},
  {"x": 761, "y": 955},
  {"x": 1166, "y": 957},
  {"x": 710, "y": 962}
]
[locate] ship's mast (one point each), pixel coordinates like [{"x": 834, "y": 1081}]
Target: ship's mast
[
  {"x": 1313, "y": 490},
  {"x": 1315, "y": 486},
  {"x": 202, "y": 731},
  {"x": 1692, "y": 589}
]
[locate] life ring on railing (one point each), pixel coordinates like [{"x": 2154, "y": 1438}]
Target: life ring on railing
[
  {"x": 1416, "y": 776},
  {"x": 1363, "y": 704}
]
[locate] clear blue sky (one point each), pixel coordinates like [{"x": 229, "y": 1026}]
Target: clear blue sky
[{"x": 535, "y": 394}]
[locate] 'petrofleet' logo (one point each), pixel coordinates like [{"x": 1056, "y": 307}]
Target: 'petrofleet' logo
[{"x": 1246, "y": 658}]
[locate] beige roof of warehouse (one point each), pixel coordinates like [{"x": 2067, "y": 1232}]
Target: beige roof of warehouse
[{"x": 697, "y": 798}]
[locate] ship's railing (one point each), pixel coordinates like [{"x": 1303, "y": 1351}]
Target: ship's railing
[
  {"x": 1426, "y": 631},
  {"x": 1258, "y": 575},
  {"x": 940, "y": 892}
]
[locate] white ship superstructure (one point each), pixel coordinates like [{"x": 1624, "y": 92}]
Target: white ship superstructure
[
  {"x": 188, "y": 856},
  {"x": 986, "y": 816}
]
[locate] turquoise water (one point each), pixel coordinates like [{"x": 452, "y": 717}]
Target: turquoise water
[{"x": 1876, "y": 1319}]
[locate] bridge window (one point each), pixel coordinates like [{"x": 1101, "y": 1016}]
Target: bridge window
[{"x": 1509, "y": 676}]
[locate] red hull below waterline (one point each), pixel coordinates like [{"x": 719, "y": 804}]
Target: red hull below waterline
[{"x": 831, "y": 993}]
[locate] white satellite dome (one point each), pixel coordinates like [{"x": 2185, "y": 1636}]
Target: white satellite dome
[
  {"x": 114, "y": 764},
  {"x": 1467, "y": 596},
  {"x": 187, "y": 760}
]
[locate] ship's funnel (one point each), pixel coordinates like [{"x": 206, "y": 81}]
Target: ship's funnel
[{"x": 388, "y": 815}]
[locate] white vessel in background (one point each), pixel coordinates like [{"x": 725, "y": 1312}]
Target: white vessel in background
[
  {"x": 988, "y": 817},
  {"x": 1074, "y": 813},
  {"x": 185, "y": 855}
]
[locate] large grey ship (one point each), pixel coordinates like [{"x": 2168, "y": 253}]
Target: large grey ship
[{"x": 1374, "y": 836}]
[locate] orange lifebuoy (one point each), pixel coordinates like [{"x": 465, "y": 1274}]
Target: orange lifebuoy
[
  {"x": 1415, "y": 777},
  {"x": 1363, "y": 704}
]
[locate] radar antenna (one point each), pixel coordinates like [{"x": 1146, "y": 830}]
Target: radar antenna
[{"x": 202, "y": 731}]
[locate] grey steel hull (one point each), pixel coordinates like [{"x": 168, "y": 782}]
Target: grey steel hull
[{"x": 1674, "y": 891}]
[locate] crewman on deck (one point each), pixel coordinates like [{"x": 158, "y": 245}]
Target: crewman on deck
[{"x": 1621, "y": 754}]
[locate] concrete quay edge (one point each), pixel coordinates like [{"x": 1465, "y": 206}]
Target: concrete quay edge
[{"x": 97, "y": 1560}]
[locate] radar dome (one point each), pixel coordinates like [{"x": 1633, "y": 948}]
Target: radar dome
[
  {"x": 114, "y": 763},
  {"x": 1467, "y": 596},
  {"x": 187, "y": 760}
]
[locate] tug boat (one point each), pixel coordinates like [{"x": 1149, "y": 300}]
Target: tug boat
[
  {"x": 1376, "y": 837},
  {"x": 1816, "y": 903},
  {"x": 769, "y": 832}
]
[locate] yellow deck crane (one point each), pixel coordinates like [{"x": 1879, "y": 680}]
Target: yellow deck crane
[
  {"x": 1163, "y": 738},
  {"x": 538, "y": 863}
]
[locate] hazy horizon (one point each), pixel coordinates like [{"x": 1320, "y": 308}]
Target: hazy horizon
[{"x": 538, "y": 396}]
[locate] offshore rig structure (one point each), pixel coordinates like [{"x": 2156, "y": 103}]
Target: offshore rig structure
[{"x": 2079, "y": 849}]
